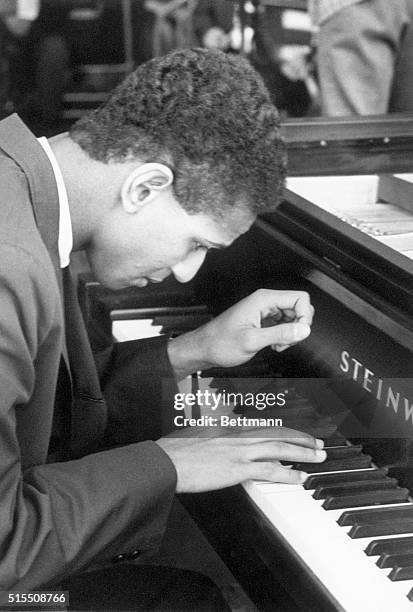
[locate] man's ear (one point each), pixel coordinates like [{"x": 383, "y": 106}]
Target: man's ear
[{"x": 143, "y": 185}]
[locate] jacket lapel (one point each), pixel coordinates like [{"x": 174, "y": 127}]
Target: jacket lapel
[{"x": 89, "y": 414}]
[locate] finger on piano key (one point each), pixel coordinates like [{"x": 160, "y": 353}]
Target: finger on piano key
[
  {"x": 389, "y": 545},
  {"x": 314, "y": 481},
  {"x": 350, "y": 488},
  {"x": 336, "y": 465},
  {"x": 370, "y": 498},
  {"x": 395, "y": 560}
]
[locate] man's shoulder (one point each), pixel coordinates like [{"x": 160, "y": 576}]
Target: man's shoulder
[
  {"x": 15, "y": 203},
  {"x": 18, "y": 224}
]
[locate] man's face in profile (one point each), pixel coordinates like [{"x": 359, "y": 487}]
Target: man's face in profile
[{"x": 159, "y": 240}]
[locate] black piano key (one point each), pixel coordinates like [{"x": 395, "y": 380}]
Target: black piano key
[
  {"x": 350, "y": 488},
  {"x": 395, "y": 560},
  {"x": 370, "y": 498},
  {"x": 389, "y": 545},
  {"x": 375, "y": 515},
  {"x": 410, "y": 595},
  {"x": 401, "y": 573},
  {"x": 335, "y": 465},
  {"x": 390, "y": 527},
  {"x": 340, "y": 452},
  {"x": 335, "y": 439},
  {"x": 313, "y": 482}
]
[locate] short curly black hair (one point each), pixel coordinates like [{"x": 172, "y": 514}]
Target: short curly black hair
[{"x": 208, "y": 116}]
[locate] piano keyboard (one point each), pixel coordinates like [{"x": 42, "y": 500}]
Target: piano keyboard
[{"x": 351, "y": 526}]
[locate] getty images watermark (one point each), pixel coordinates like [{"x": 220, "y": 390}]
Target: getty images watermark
[
  {"x": 359, "y": 404},
  {"x": 211, "y": 404}
]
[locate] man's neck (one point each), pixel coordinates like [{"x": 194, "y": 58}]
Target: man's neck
[{"x": 88, "y": 186}]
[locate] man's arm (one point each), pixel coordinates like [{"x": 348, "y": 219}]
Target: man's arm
[
  {"x": 59, "y": 517},
  {"x": 138, "y": 384}
]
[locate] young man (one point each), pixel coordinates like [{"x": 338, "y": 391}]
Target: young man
[{"x": 179, "y": 160}]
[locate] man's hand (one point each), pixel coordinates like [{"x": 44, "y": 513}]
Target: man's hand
[
  {"x": 237, "y": 334},
  {"x": 209, "y": 463}
]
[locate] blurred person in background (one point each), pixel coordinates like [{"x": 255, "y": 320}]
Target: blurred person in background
[
  {"x": 364, "y": 55},
  {"x": 213, "y": 22},
  {"x": 37, "y": 58},
  {"x": 287, "y": 69},
  {"x": 162, "y": 25},
  {"x": 16, "y": 18},
  {"x": 172, "y": 26}
]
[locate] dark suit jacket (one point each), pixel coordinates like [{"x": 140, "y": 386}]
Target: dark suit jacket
[{"x": 86, "y": 504}]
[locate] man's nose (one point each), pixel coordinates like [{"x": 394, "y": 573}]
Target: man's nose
[{"x": 186, "y": 269}]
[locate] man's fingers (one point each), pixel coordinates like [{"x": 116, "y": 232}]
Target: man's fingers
[
  {"x": 285, "y": 452},
  {"x": 245, "y": 435},
  {"x": 214, "y": 463},
  {"x": 282, "y": 335},
  {"x": 279, "y": 434},
  {"x": 275, "y": 472},
  {"x": 271, "y": 301}
]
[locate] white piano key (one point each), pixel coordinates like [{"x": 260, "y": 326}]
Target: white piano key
[
  {"x": 339, "y": 562},
  {"x": 134, "y": 329}
]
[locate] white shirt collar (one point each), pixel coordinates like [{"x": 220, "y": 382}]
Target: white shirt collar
[{"x": 65, "y": 239}]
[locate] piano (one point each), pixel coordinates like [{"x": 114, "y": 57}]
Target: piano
[{"x": 344, "y": 540}]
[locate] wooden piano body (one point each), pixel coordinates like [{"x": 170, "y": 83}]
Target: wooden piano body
[{"x": 362, "y": 290}]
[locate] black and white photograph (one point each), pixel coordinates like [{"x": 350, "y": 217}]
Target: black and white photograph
[{"x": 206, "y": 305}]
